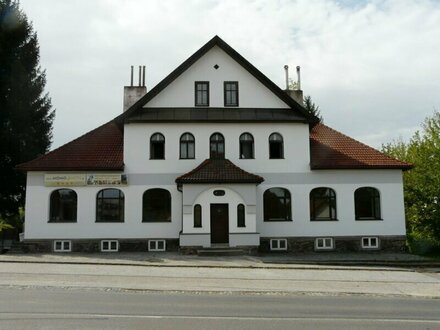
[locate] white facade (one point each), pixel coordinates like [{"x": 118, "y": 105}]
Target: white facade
[{"x": 291, "y": 172}]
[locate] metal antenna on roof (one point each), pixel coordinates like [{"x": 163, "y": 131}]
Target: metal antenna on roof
[
  {"x": 131, "y": 80},
  {"x": 298, "y": 72},
  {"x": 140, "y": 72},
  {"x": 286, "y": 68},
  {"x": 143, "y": 76}
]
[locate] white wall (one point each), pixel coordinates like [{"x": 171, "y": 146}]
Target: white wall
[
  {"x": 137, "y": 146},
  {"x": 344, "y": 182},
  {"x": 252, "y": 93},
  {"x": 37, "y": 214}
]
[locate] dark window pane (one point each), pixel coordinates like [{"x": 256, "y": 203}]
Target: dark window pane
[
  {"x": 110, "y": 206},
  {"x": 156, "y": 205},
  {"x": 322, "y": 204},
  {"x": 187, "y": 146},
  {"x": 276, "y": 146},
  {"x": 63, "y": 205},
  {"x": 231, "y": 93},
  {"x": 246, "y": 146},
  {"x": 277, "y": 205},
  {"x": 367, "y": 203},
  {"x": 240, "y": 216},
  {"x": 217, "y": 146},
  {"x": 197, "y": 216},
  {"x": 157, "y": 146}
]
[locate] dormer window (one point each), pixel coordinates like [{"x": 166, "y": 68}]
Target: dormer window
[
  {"x": 231, "y": 93},
  {"x": 202, "y": 93}
]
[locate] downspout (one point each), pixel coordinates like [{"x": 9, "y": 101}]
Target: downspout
[{"x": 180, "y": 188}]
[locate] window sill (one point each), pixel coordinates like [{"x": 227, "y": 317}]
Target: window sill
[
  {"x": 247, "y": 158},
  {"x": 276, "y": 158},
  {"x": 109, "y": 221},
  {"x": 201, "y": 105},
  {"x": 187, "y": 158},
  {"x": 157, "y": 158},
  {"x": 157, "y": 221},
  {"x": 277, "y": 220},
  {"x": 369, "y": 219},
  {"x": 231, "y": 105},
  {"x": 324, "y": 220},
  {"x": 62, "y": 221}
]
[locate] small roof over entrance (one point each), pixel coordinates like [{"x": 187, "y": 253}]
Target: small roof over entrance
[{"x": 218, "y": 171}]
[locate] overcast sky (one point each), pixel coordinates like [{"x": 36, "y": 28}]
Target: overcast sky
[{"x": 373, "y": 67}]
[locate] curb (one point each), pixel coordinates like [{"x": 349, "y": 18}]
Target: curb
[{"x": 300, "y": 265}]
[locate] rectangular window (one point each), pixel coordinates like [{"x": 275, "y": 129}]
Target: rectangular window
[
  {"x": 157, "y": 245},
  {"x": 324, "y": 243},
  {"x": 109, "y": 246},
  {"x": 62, "y": 246},
  {"x": 231, "y": 93},
  {"x": 278, "y": 244},
  {"x": 370, "y": 242},
  {"x": 202, "y": 93}
]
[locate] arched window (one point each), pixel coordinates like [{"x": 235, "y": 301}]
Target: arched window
[
  {"x": 110, "y": 206},
  {"x": 322, "y": 204},
  {"x": 277, "y": 205},
  {"x": 217, "y": 146},
  {"x": 241, "y": 221},
  {"x": 367, "y": 204},
  {"x": 63, "y": 205},
  {"x": 187, "y": 146},
  {"x": 276, "y": 147},
  {"x": 157, "y": 146},
  {"x": 246, "y": 146},
  {"x": 197, "y": 216},
  {"x": 156, "y": 205}
]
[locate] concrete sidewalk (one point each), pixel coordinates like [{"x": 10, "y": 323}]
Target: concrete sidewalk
[{"x": 280, "y": 260}]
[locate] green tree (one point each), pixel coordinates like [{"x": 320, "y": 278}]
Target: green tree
[
  {"x": 312, "y": 108},
  {"x": 422, "y": 183},
  {"x": 26, "y": 113}
]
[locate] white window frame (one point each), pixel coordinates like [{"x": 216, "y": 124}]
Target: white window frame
[
  {"x": 153, "y": 245},
  {"x": 369, "y": 245},
  {"x": 328, "y": 243},
  {"x": 63, "y": 246},
  {"x": 275, "y": 244},
  {"x": 109, "y": 242}
]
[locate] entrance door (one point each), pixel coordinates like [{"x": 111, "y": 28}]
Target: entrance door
[{"x": 219, "y": 223}]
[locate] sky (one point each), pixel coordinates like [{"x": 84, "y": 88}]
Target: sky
[{"x": 373, "y": 67}]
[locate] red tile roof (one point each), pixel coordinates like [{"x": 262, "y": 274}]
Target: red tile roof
[
  {"x": 102, "y": 149},
  {"x": 330, "y": 149},
  {"x": 218, "y": 171},
  {"x": 99, "y": 149}
]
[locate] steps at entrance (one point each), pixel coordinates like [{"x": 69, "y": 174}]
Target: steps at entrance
[{"x": 221, "y": 251}]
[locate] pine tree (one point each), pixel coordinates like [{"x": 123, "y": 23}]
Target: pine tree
[
  {"x": 312, "y": 108},
  {"x": 26, "y": 113}
]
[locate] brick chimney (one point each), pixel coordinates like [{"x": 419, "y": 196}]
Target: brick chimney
[{"x": 133, "y": 93}]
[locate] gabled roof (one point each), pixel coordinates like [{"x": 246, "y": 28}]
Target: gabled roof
[
  {"x": 99, "y": 149},
  {"x": 330, "y": 149},
  {"x": 217, "y": 41},
  {"x": 218, "y": 171}
]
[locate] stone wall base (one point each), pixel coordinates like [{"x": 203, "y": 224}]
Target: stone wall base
[
  {"x": 341, "y": 244},
  {"x": 94, "y": 245}
]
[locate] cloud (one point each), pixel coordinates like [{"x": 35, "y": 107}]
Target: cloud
[{"x": 371, "y": 66}]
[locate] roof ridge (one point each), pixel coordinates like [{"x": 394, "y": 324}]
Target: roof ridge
[{"x": 361, "y": 143}]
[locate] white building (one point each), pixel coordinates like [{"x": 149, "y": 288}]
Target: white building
[{"x": 215, "y": 153}]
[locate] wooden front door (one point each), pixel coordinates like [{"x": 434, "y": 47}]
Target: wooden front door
[{"x": 219, "y": 223}]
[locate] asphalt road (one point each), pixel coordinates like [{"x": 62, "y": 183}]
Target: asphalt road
[{"x": 58, "y": 308}]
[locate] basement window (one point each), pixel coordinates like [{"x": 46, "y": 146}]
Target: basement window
[
  {"x": 324, "y": 243},
  {"x": 62, "y": 246},
  {"x": 370, "y": 242},
  {"x": 157, "y": 245},
  {"x": 278, "y": 244},
  {"x": 109, "y": 246}
]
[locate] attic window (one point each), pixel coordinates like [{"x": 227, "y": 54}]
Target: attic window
[
  {"x": 231, "y": 93},
  {"x": 202, "y": 93}
]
